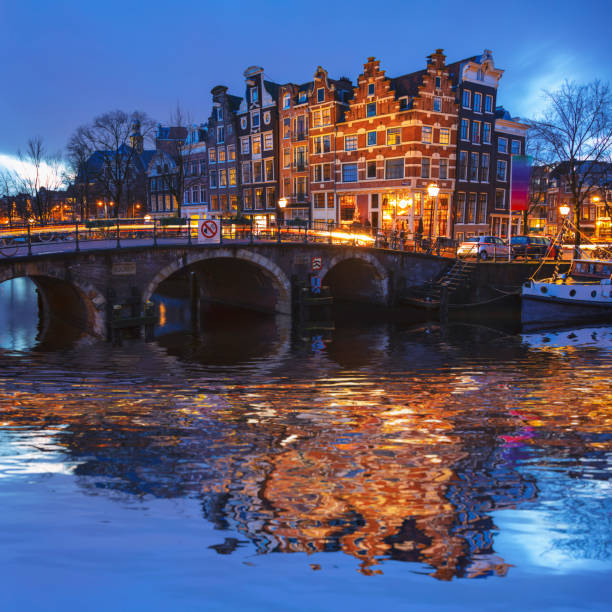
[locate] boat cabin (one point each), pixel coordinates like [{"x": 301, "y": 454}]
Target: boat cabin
[{"x": 591, "y": 269}]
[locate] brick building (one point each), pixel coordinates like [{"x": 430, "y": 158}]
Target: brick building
[
  {"x": 397, "y": 137},
  {"x": 257, "y": 132},
  {"x": 223, "y": 157}
]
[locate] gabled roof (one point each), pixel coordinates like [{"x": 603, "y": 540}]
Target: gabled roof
[
  {"x": 234, "y": 102},
  {"x": 408, "y": 84}
]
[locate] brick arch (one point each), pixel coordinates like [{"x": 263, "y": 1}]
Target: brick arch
[
  {"x": 380, "y": 272},
  {"x": 283, "y": 304},
  {"x": 93, "y": 301}
]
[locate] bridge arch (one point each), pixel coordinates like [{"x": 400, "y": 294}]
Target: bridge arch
[
  {"x": 279, "y": 279},
  {"x": 76, "y": 302},
  {"x": 357, "y": 276}
]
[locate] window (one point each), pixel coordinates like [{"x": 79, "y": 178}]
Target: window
[
  {"x": 213, "y": 178},
  {"x": 394, "y": 168},
  {"x": 257, "y": 172},
  {"x": 443, "y": 171},
  {"x": 500, "y": 198},
  {"x": 394, "y": 136},
  {"x": 320, "y": 94},
  {"x": 319, "y": 200},
  {"x": 212, "y": 155},
  {"x": 267, "y": 117},
  {"x": 461, "y": 207},
  {"x": 220, "y": 157},
  {"x": 255, "y": 120},
  {"x": 426, "y": 132},
  {"x": 488, "y": 104},
  {"x": 326, "y": 116},
  {"x": 501, "y": 169},
  {"x": 231, "y": 153},
  {"x": 466, "y": 98},
  {"x": 229, "y": 130},
  {"x": 202, "y": 194},
  {"x": 403, "y": 103},
  {"x": 484, "y": 167},
  {"x": 256, "y": 145},
  {"x": 444, "y": 136},
  {"x": 480, "y": 75},
  {"x": 477, "y": 102},
  {"x": 220, "y": 134},
  {"x": 438, "y": 82},
  {"x": 248, "y": 199},
  {"x": 502, "y": 145},
  {"x": 244, "y": 145},
  {"x": 425, "y": 162},
  {"x": 473, "y": 166},
  {"x": 371, "y": 139},
  {"x": 370, "y": 89},
  {"x": 481, "y": 213},
  {"x": 302, "y": 97},
  {"x": 350, "y": 143},
  {"x": 246, "y": 172},
  {"x": 349, "y": 173},
  {"x": 269, "y": 169},
  {"x": 287, "y": 101},
  {"x": 516, "y": 147},
  {"x": 232, "y": 176},
  {"x": 286, "y": 158},
  {"x": 476, "y": 132},
  {"x": 214, "y": 202},
  {"x": 259, "y": 198},
  {"x": 219, "y": 113},
  {"x": 330, "y": 200},
  {"x": 243, "y": 123},
  {"x": 486, "y": 133},
  {"x": 254, "y": 94},
  {"x": 463, "y": 165},
  {"x": 371, "y": 109},
  {"x": 322, "y": 172},
  {"x": 202, "y": 166},
  {"x": 222, "y": 178},
  {"x": 464, "y": 129},
  {"x": 268, "y": 141},
  {"x": 471, "y": 209},
  {"x": 437, "y": 104},
  {"x": 371, "y": 169},
  {"x": 322, "y": 144}
]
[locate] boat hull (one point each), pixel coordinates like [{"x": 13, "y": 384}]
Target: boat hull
[{"x": 536, "y": 309}]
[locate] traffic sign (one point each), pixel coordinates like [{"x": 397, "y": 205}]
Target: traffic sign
[
  {"x": 209, "y": 231},
  {"x": 316, "y": 263}
]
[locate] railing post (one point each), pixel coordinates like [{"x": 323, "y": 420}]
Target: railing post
[
  {"x": 278, "y": 232},
  {"x": 189, "y": 231},
  {"x": 331, "y": 239},
  {"x": 251, "y": 240},
  {"x": 306, "y": 232},
  {"x": 154, "y": 232},
  {"x": 29, "y": 239},
  {"x": 118, "y": 243},
  {"x": 76, "y": 236},
  {"x": 221, "y": 230}
]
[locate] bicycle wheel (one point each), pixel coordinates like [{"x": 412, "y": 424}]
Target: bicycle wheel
[{"x": 8, "y": 247}]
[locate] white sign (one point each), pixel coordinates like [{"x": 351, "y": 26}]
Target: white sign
[
  {"x": 316, "y": 263},
  {"x": 209, "y": 231}
]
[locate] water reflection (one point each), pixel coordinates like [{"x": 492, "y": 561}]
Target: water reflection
[{"x": 388, "y": 444}]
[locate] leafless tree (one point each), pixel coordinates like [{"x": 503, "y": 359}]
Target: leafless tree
[
  {"x": 7, "y": 194},
  {"x": 575, "y": 134},
  {"x": 39, "y": 177},
  {"x": 114, "y": 156}
]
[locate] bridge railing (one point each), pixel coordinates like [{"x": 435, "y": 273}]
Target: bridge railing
[{"x": 23, "y": 240}]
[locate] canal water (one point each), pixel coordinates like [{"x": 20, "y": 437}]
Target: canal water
[{"x": 246, "y": 466}]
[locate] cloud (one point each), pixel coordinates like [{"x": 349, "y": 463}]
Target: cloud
[{"x": 49, "y": 175}]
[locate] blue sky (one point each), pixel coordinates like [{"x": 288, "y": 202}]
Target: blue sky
[{"x": 63, "y": 62}]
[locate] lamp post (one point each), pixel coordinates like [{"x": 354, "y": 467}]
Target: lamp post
[
  {"x": 433, "y": 190},
  {"x": 282, "y": 204}
]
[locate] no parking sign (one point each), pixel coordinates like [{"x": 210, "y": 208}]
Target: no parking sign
[{"x": 209, "y": 231}]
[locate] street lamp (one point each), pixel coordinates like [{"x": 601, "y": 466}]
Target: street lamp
[
  {"x": 282, "y": 204},
  {"x": 564, "y": 209},
  {"x": 433, "y": 190}
]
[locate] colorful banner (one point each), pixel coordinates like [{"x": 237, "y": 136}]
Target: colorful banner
[{"x": 520, "y": 178}]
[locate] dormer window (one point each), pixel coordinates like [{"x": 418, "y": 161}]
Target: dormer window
[
  {"x": 254, "y": 94},
  {"x": 403, "y": 103},
  {"x": 286, "y": 101},
  {"x": 370, "y": 89},
  {"x": 320, "y": 94},
  {"x": 302, "y": 97},
  {"x": 480, "y": 74},
  {"x": 219, "y": 113}
]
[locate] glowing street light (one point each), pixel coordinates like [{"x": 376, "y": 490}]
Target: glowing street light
[
  {"x": 433, "y": 190},
  {"x": 564, "y": 209}
]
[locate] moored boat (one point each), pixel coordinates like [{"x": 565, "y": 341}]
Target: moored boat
[{"x": 585, "y": 292}]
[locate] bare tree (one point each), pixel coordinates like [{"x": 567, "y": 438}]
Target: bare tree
[
  {"x": 114, "y": 142},
  {"x": 7, "y": 194},
  {"x": 39, "y": 177},
  {"x": 575, "y": 134}
]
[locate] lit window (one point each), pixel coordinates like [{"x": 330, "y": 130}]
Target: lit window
[
  {"x": 256, "y": 145},
  {"x": 444, "y": 136},
  {"x": 221, "y": 157},
  {"x": 268, "y": 141},
  {"x": 232, "y": 176},
  {"x": 394, "y": 136},
  {"x": 212, "y": 155}
]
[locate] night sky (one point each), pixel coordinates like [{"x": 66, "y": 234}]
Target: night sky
[{"x": 63, "y": 62}]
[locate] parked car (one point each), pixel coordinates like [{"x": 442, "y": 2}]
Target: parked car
[
  {"x": 484, "y": 247},
  {"x": 533, "y": 246}
]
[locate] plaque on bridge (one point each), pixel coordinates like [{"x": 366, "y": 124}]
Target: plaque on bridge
[
  {"x": 127, "y": 268},
  {"x": 209, "y": 231}
]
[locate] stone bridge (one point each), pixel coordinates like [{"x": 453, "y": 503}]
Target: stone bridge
[{"x": 82, "y": 287}]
